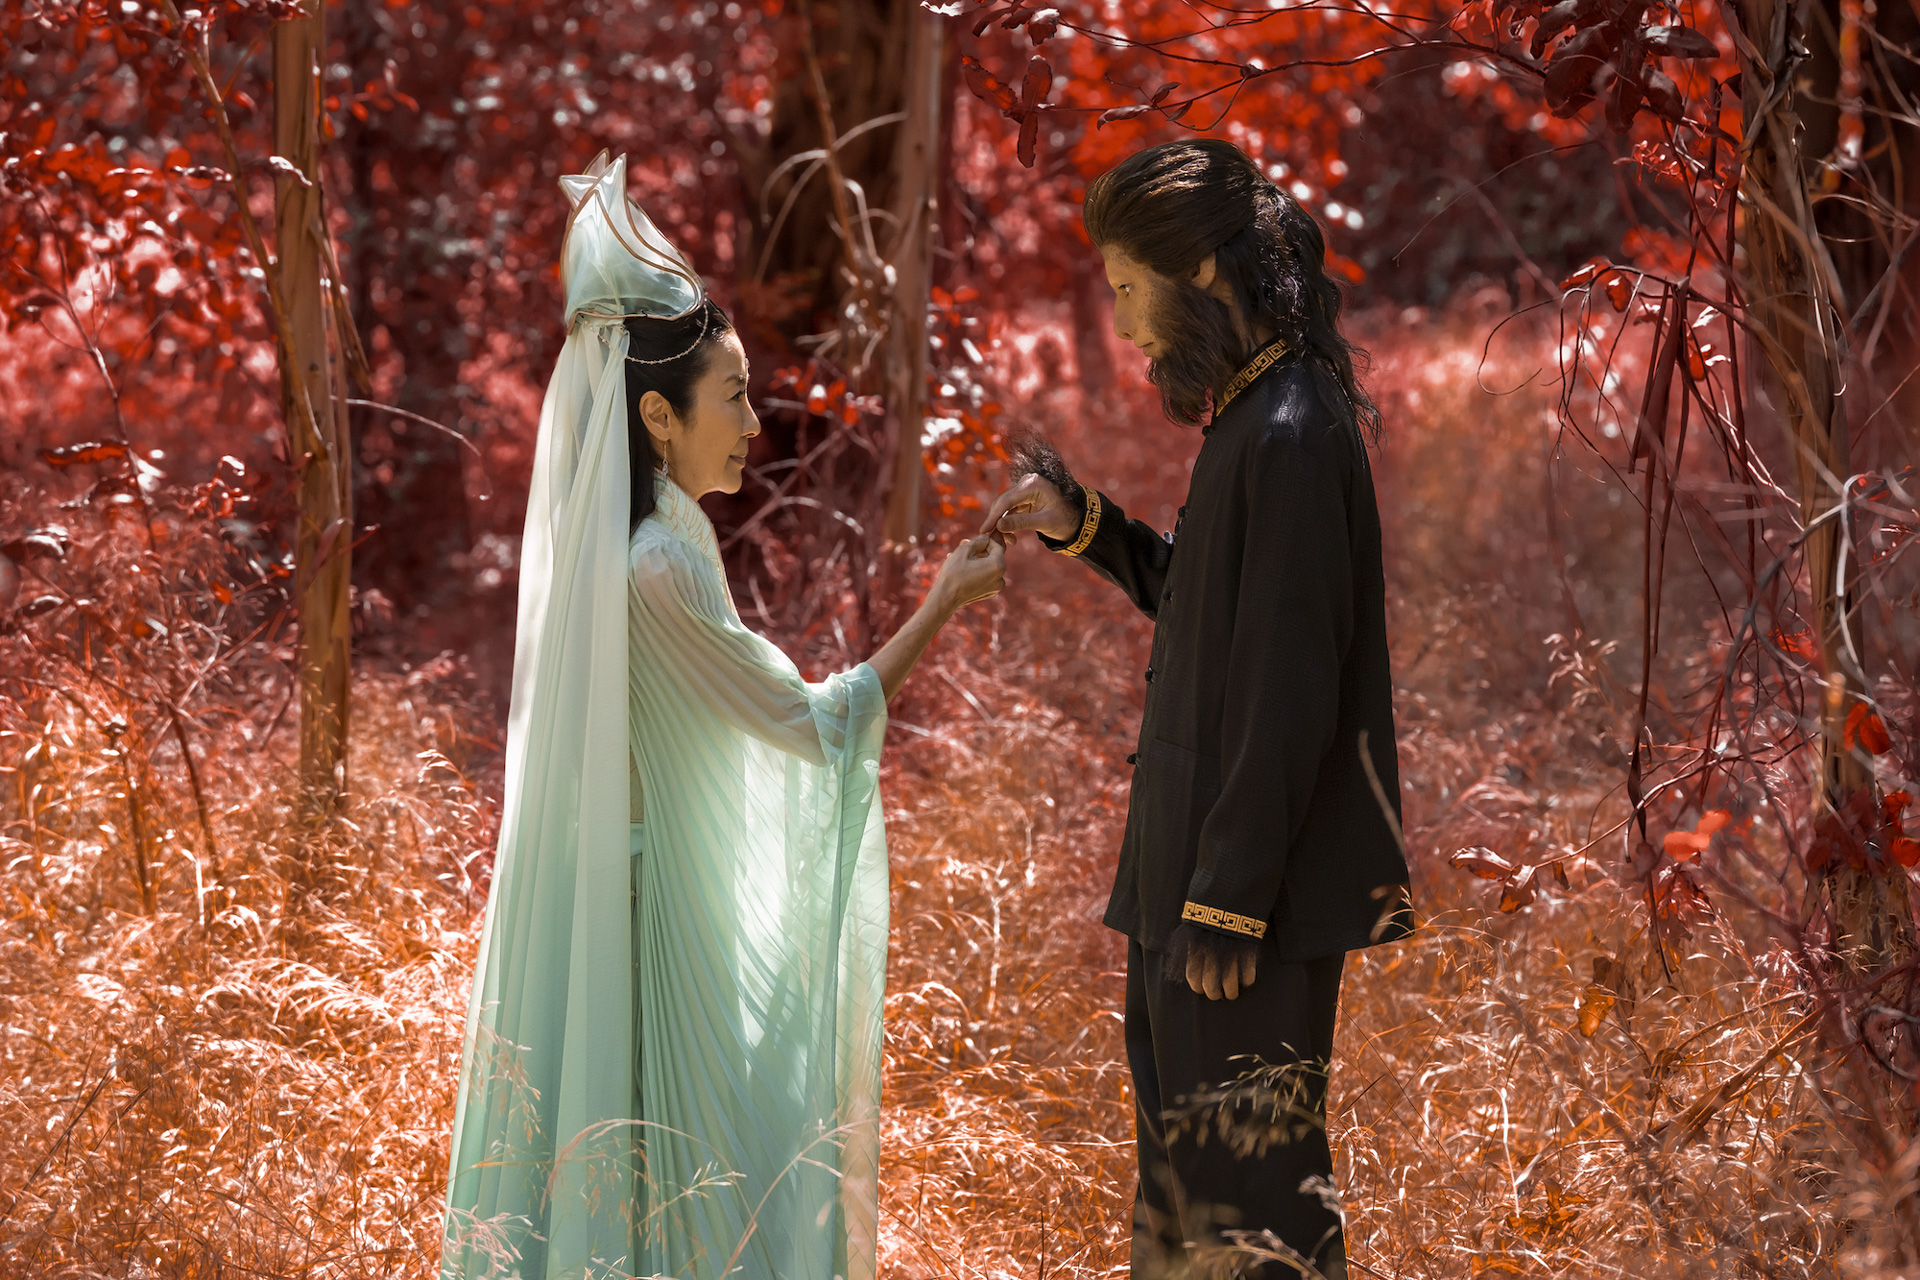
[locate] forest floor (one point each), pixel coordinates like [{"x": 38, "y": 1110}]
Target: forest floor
[{"x": 199, "y": 1083}]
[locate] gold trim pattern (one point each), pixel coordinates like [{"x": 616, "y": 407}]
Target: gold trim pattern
[
  {"x": 1087, "y": 526},
  {"x": 1200, "y": 913},
  {"x": 1273, "y": 351}
]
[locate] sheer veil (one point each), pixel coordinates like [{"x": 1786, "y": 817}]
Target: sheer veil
[{"x": 541, "y": 1180}]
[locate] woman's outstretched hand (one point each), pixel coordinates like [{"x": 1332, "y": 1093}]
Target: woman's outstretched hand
[
  {"x": 1032, "y": 504},
  {"x": 977, "y": 570}
]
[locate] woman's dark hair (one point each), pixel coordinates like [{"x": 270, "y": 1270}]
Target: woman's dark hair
[
  {"x": 1167, "y": 208},
  {"x": 668, "y": 356}
]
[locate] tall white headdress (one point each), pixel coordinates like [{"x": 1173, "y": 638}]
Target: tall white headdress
[
  {"x": 540, "y": 1131},
  {"x": 615, "y": 261}
]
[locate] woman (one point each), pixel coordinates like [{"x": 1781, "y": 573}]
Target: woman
[{"x": 673, "y": 1050}]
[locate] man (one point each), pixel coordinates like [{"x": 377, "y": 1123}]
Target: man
[{"x": 1262, "y": 840}]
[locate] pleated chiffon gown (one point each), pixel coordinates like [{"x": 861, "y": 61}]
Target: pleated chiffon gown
[
  {"x": 760, "y": 930},
  {"x": 755, "y": 929}
]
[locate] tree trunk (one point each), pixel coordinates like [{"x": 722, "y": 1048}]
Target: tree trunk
[
  {"x": 309, "y": 372},
  {"x": 1794, "y": 295},
  {"x": 916, "y": 211},
  {"x": 862, "y": 49},
  {"x": 848, "y": 248}
]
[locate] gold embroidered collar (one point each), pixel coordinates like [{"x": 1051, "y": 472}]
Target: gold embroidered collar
[{"x": 1272, "y": 353}]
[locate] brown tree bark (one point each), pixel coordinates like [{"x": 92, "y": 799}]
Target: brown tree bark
[
  {"x": 845, "y": 248},
  {"x": 1799, "y": 311},
  {"x": 315, "y": 413},
  {"x": 916, "y": 211},
  {"x": 862, "y": 51}
]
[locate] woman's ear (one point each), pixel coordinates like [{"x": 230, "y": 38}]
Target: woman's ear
[
  {"x": 660, "y": 419},
  {"x": 1204, "y": 273}
]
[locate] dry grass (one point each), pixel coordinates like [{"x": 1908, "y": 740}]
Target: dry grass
[{"x": 268, "y": 1093}]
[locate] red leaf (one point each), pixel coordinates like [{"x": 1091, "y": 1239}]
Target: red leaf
[
  {"x": 1124, "y": 113},
  {"x": 1584, "y": 274},
  {"x": 1904, "y": 850},
  {"x": 1346, "y": 268},
  {"x": 817, "y": 399},
  {"x": 39, "y": 605},
  {"x": 1892, "y": 806},
  {"x": 1042, "y": 25},
  {"x": 1029, "y": 134},
  {"x": 1680, "y": 42},
  {"x": 1624, "y": 103},
  {"x": 1552, "y": 22},
  {"x": 1798, "y": 643},
  {"x": 1696, "y": 360},
  {"x": 75, "y": 454},
  {"x": 1576, "y": 66},
  {"x": 1160, "y": 94},
  {"x": 50, "y": 541},
  {"x": 1865, "y": 728},
  {"x": 985, "y": 85},
  {"x": 1518, "y": 891},
  {"x": 1685, "y": 846},
  {"x": 1619, "y": 290},
  {"x": 1663, "y": 95},
  {"x": 987, "y": 16},
  {"x": 1481, "y": 861},
  {"x": 1036, "y": 84}
]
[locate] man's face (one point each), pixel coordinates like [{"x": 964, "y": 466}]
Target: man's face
[
  {"x": 1183, "y": 328},
  {"x": 1135, "y": 287}
]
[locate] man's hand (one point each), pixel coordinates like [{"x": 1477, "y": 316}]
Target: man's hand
[
  {"x": 1032, "y": 504},
  {"x": 1218, "y": 967}
]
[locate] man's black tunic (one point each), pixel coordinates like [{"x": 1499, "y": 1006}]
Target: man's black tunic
[{"x": 1252, "y": 813}]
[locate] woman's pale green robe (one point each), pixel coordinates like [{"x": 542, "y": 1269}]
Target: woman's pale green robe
[{"x": 757, "y": 938}]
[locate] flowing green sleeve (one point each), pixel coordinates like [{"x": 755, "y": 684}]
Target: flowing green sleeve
[{"x": 744, "y": 679}]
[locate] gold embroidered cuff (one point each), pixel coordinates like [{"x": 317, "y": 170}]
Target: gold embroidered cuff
[
  {"x": 1087, "y": 526},
  {"x": 1215, "y": 918}
]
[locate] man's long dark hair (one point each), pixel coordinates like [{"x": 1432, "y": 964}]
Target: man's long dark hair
[
  {"x": 668, "y": 356},
  {"x": 1167, "y": 208}
]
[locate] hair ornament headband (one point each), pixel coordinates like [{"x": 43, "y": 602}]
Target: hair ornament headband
[{"x": 706, "y": 322}]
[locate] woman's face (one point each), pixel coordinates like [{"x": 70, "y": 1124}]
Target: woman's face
[{"x": 706, "y": 451}]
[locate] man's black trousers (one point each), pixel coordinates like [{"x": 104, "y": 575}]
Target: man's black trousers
[{"x": 1226, "y": 1141}]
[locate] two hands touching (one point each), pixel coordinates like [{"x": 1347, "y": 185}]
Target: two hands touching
[{"x": 977, "y": 568}]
